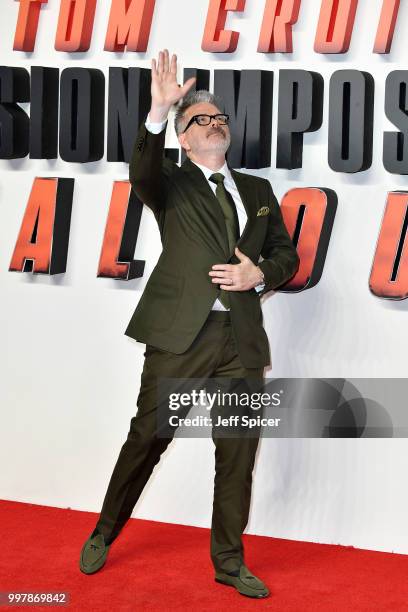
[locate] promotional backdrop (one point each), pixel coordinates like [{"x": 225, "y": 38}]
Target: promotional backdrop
[{"x": 69, "y": 375}]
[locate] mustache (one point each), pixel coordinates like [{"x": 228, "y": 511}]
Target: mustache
[{"x": 216, "y": 131}]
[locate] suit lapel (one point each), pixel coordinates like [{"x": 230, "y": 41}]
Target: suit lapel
[{"x": 247, "y": 196}]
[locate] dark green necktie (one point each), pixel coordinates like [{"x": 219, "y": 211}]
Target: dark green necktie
[{"x": 231, "y": 221}]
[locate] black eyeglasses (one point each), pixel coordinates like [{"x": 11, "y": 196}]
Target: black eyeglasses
[{"x": 206, "y": 120}]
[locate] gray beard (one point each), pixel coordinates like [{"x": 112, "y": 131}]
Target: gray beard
[{"x": 221, "y": 145}]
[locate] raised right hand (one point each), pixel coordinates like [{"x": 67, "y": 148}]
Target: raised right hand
[{"x": 165, "y": 89}]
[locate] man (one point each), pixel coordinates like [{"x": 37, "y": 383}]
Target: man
[{"x": 200, "y": 313}]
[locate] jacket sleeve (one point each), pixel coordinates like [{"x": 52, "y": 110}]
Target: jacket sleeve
[
  {"x": 280, "y": 258},
  {"x": 149, "y": 170}
]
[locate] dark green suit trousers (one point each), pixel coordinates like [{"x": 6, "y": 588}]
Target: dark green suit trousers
[{"x": 213, "y": 353}]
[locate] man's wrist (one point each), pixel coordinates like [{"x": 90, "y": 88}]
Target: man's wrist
[
  {"x": 261, "y": 275},
  {"x": 158, "y": 114}
]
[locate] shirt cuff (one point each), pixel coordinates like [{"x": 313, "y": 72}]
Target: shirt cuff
[
  {"x": 259, "y": 288},
  {"x": 153, "y": 126}
]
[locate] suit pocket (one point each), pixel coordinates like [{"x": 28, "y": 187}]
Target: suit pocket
[{"x": 150, "y": 349}]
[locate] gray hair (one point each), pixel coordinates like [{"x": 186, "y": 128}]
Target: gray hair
[{"x": 194, "y": 97}]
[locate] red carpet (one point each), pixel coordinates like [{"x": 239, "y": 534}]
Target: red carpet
[{"x": 156, "y": 566}]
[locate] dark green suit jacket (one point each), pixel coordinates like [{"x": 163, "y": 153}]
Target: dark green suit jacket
[{"x": 180, "y": 293}]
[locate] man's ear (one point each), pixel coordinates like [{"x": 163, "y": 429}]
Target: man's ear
[{"x": 183, "y": 142}]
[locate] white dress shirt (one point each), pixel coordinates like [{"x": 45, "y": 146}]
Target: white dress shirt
[{"x": 156, "y": 128}]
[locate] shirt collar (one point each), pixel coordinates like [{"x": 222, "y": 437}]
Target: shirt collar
[{"x": 208, "y": 172}]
